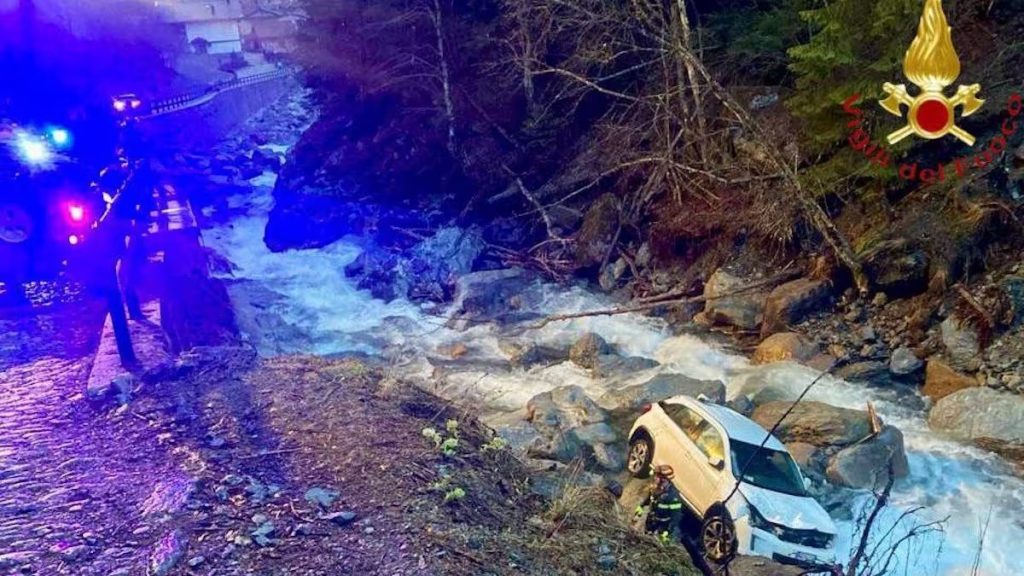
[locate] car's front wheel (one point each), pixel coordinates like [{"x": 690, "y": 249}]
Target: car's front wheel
[
  {"x": 718, "y": 537},
  {"x": 641, "y": 452}
]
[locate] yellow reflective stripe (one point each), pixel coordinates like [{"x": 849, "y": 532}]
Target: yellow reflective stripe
[{"x": 674, "y": 506}]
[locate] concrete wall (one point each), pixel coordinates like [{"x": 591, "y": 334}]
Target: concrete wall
[{"x": 199, "y": 128}]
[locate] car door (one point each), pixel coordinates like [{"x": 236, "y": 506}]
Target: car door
[
  {"x": 710, "y": 444},
  {"x": 677, "y": 449}
]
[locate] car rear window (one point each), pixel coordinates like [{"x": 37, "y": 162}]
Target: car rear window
[{"x": 697, "y": 429}]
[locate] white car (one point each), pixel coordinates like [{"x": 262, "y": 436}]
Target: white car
[{"x": 710, "y": 447}]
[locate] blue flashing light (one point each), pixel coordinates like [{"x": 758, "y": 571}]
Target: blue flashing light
[
  {"x": 60, "y": 136},
  {"x": 32, "y": 150}
]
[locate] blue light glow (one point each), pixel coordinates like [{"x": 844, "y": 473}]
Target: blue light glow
[
  {"x": 32, "y": 150},
  {"x": 60, "y": 136}
]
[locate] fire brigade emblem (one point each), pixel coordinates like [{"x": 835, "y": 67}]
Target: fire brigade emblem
[{"x": 932, "y": 65}]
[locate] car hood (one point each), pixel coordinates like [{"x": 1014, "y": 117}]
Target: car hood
[{"x": 797, "y": 512}]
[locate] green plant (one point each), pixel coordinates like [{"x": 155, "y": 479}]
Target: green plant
[
  {"x": 448, "y": 446},
  {"x": 495, "y": 444},
  {"x": 454, "y": 495}
]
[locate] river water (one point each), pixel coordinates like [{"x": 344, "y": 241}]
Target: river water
[{"x": 325, "y": 314}]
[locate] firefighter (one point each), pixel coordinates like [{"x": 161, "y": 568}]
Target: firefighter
[{"x": 664, "y": 506}]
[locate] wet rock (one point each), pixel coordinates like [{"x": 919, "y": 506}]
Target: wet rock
[
  {"x": 743, "y": 311},
  {"x": 600, "y": 224},
  {"x": 863, "y": 372},
  {"x": 497, "y": 295},
  {"x": 661, "y": 387},
  {"x": 562, "y": 409},
  {"x": 897, "y": 267},
  {"x": 793, "y": 302},
  {"x": 196, "y": 561},
  {"x": 587, "y": 348},
  {"x": 522, "y": 437},
  {"x": 167, "y": 553},
  {"x": 527, "y": 354},
  {"x": 742, "y": 405},
  {"x": 810, "y": 458},
  {"x": 550, "y": 479},
  {"x": 986, "y": 416},
  {"x": 904, "y": 362},
  {"x": 941, "y": 380},
  {"x": 784, "y": 346},
  {"x": 867, "y": 465},
  {"x": 814, "y": 423},
  {"x": 340, "y": 518},
  {"x": 613, "y": 365},
  {"x": 868, "y": 334},
  {"x": 960, "y": 339},
  {"x": 321, "y": 497}
]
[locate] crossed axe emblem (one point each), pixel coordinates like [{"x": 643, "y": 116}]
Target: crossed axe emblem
[{"x": 931, "y": 113}]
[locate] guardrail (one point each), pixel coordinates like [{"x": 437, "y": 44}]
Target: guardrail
[{"x": 196, "y": 98}]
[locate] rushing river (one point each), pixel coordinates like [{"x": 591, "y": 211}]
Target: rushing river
[{"x": 326, "y": 314}]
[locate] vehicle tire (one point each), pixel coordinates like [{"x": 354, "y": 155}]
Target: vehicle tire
[
  {"x": 717, "y": 539},
  {"x": 641, "y": 453},
  {"x": 15, "y": 224}
]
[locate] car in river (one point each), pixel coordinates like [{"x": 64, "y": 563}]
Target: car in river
[{"x": 739, "y": 482}]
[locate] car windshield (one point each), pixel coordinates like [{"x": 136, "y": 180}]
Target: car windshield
[{"x": 765, "y": 468}]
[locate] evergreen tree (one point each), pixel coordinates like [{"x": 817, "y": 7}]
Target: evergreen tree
[{"x": 856, "y": 46}]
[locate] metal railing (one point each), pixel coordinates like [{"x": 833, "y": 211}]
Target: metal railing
[{"x": 199, "y": 97}]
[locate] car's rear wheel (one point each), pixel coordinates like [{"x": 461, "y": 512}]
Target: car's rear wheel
[
  {"x": 641, "y": 452},
  {"x": 718, "y": 537},
  {"x": 15, "y": 224}
]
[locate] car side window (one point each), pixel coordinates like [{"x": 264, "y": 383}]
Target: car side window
[
  {"x": 698, "y": 430},
  {"x": 710, "y": 442}
]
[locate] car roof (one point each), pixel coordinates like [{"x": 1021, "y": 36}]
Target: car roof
[{"x": 736, "y": 426}]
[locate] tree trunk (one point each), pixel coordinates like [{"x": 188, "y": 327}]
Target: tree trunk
[
  {"x": 686, "y": 44},
  {"x": 446, "y": 84}
]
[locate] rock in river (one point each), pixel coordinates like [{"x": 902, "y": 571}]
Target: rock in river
[
  {"x": 743, "y": 310},
  {"x": 784, "y": 346},
  {"x": 987, "y": 417},
  {"x": 814, "y": 423},
  {"x": 866, "y": 465},
  {"x": 940, "y": 380},
  {"x": 660, "y": 387}
]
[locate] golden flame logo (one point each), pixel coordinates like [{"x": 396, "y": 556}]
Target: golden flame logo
[{"x": 931, "y": 64}]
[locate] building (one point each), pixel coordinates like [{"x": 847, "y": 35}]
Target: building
[{"x": 206, "y": 26}]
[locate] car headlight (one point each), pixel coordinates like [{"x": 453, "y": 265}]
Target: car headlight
[{"x": 759, "y": 521}]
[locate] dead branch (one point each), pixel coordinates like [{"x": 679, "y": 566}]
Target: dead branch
[
  {"x": 652, "y": 305},
  {"x": 880, "y": 501}
]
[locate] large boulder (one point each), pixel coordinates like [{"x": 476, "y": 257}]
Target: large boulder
[
  {"x": 896, "y": 267},
  {"x": 659, "y": 388},
  {"x": 792, "y": 302},
  {"x": 866, "y": 371},
  {"x": 960, "y": 339},
  {"x": 562, "y": 409},
  {"x": 866, "y": 465},
  {"x": 600, "y": 225},
  {"x": 574, "y": 427},
  {"x": 496, "y": 295},
  {"x": 587, "y": 349},
  {"x": 743, "y": 310},
  {"x": 988, "y": 417},
  {"x": 811, "y": 459},
  {"x": 784, "y": 346},
  {"x": 814, "y": 423},
  {"x": 940, "y": 380}
]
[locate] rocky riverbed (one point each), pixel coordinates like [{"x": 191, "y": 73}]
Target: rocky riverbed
[{"x": 566, "y": 389}]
